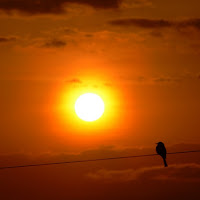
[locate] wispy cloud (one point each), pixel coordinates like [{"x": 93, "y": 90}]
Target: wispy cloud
[
  {"x": 51, "y": 6},
  {"x": 162, "y": 79},
  {"x": 135, "y": 3},
  {"x": 7, "y": 39},
  {"x": 166, "y": 79},
  {"x": 180, "y": 172},
  {"x": 141, "y": 22},
  {"x": 55, "y": 43},
  {"x": 74, "y": 80},
  {"x": 147, "y": 23}
]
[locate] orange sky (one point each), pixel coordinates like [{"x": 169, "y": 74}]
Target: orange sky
[{"x": 140, "y": 56}]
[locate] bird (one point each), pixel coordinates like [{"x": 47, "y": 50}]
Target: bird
[{"x": 161, "y": 150}]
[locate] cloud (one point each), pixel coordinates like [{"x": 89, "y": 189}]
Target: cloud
[
  {"x": 150, "y": 180},
  {"x": 195, "y": 23},
  {"x": 141, "y": 22},
  {"x": 52, "y": 182},
  {"x": 135, "y": 3},
  {"x": 107, "y": 152},
  {"x": 55, "y": 43},
  {"x": 146, "y": 23},
  {"x": 161, "y": 79},
  {"x": 180, "y": 172},
  {"x": 7, "y": 39},
  {"x": 69, "y": 31},
  {"x": 166, "y": 79},
  {"x": 51, "y": 6},
  {"x": 88, "y": 35},
  {"x": 186, "y": 76},
  {"x": 74, "y": 80}
]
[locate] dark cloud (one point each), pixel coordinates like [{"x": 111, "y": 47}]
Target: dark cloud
[
  {"x": 89, "y": 35},
  {"x": 135, "y": 3},
  {"x": 54, "y": 43},
  {"x": 7, "y": 39},
  {"x": 115, "y": 179},
  {"x": 181, "y": 172},
  {"x": 74, "y": 80},
  {"x": 51, "y": 6},
  {"x": 166, "y": 79},
  {"x": 152, "y": 80},
  {"x": 195, "y": 23},
  {"x": 107, "y": 152},
  {"x": 69, "y": 31},
  {"x": 186, "y": 76},
  {"x": 156, "y": 23},
  {"x": 142, "y": 23},
  {"x": 162, "y": 79}
]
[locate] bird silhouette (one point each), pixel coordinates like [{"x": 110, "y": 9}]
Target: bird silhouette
[{"x": 161, "y": 150}]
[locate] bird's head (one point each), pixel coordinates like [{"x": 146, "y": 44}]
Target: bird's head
[{"x": 160, "y": 143}]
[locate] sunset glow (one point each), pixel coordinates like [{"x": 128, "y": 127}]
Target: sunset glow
[{"x": 95, "y": 79}]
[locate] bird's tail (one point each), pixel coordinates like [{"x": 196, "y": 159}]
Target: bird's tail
[{"x": 165, "y": 162}]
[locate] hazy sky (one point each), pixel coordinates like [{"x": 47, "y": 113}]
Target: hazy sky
[{"x": 140, "y": 56}]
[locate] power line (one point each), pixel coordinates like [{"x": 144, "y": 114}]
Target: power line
[{"x": 92, "y": 160}]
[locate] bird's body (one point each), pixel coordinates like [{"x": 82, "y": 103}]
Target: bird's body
[{"x": 161, "y": 150}]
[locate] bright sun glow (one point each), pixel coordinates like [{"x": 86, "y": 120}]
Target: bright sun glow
[{"x": 89, "y": 107}]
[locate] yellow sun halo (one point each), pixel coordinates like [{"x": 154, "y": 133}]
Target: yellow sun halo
[{"x": 89, "y": 107}]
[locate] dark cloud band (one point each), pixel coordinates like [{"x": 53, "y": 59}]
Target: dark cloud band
[
  {"x": 143, "y": 23},
  {"x": 54, "y": 43},
  {"x": 156, "y": 23},
  {"x": 7, "y": 39},
  {"x": 51, "y": 6}
]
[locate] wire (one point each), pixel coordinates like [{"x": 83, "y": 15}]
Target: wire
[{"x": 92, "y": 160}]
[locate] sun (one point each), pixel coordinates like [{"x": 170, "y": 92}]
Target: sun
[{"x": 89, "y": 107}]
